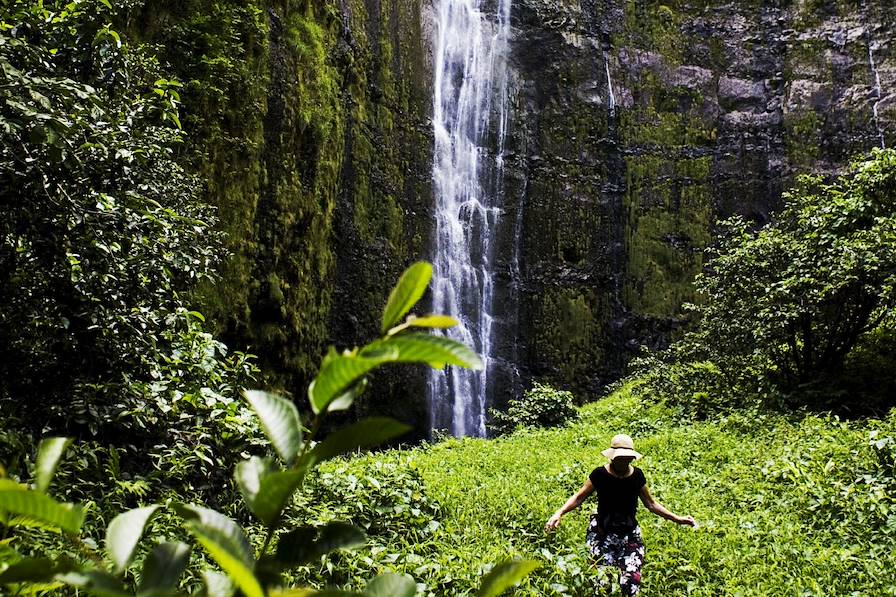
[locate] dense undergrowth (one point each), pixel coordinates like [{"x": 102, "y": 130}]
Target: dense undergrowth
[{"x": 787, "y": 505}]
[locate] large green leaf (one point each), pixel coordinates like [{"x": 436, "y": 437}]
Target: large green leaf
[
  {"x": 49, "y": 453},
  {"x": 124, "y": 533},
  {"x": 226, "y": 543},
  {"x": 407, "y": 292},
  {"x": 345, "y": 400},
  {"x": 95, "y": 582},
  {"x": 364, "y": 434},
  {"x": 163, "y": 566},
  {"x": 306, "y": 544},
  {"x": 266, "y": 491},
  {"x": 391, "y": 585},
  {"x": 440, "y": 322},
  {"x": 30, "y": 570},
  {"x": 217, "y": 584},
  {"x": 435, "y": 351},
  {"x": 339, "y": 373},
  {"x": 280, "y": 421},
  {"x": 38, "y": 507},
  {"x": 505, "y": 575}
]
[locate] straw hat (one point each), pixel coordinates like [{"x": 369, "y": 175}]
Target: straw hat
[{"x": 621, "y": 445}]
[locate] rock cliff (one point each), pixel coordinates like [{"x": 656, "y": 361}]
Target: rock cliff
[
  {"x": 634, "y": 124},
  {"x": 637, "y": 123},
  {"x": 310, "y": 121}
]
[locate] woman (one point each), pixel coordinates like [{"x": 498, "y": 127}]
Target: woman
[{"x": 614, "y": 537}]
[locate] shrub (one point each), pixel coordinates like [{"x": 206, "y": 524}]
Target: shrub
[
  {"x": 695, "y": 387},
  {"x": 388, "y": 500},
  {"x": 267, "y": 485},
  {"x": 540, "y": 406},
  {"x": 788, "y": 311},
  {"x": 799, "y": 294}
]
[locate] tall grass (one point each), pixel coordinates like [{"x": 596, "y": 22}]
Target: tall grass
[{"x": 787, "y": 506}]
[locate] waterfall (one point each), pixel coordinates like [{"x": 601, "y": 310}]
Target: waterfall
[
  {"x": 611, "y": 101},
  {"x": 877, "y": 95},
  {"x": 470, "y": 123}
]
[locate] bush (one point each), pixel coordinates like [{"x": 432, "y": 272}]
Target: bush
[
  {"x": 388, "y": 500},
  {"x": 797, "y": 295},
  {"x": 790, "y": 311},
  {"x": 698, "y": 385},
  {"x": 540, "y": 406}
]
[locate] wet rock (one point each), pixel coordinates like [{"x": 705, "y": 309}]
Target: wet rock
[
  {"x": 740, "y": 94},
  {"x": 690, "y": 77},
  {"x": 717, "y": 106},
  {"x": 808, "y": 95}
]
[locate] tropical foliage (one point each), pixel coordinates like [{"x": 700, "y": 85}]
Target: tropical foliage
[
  {"x": 539, "y": 406},
  {"x": 785, "y": 307},
  {"x": 102, "y": 233},
  {"x": 160, "y": 475},
  {"x": 267, "y": 486}
]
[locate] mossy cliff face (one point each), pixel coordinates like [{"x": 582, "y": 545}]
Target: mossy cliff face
[
  {"x": 717, "y": 106},
  {"x": 310, "y": 121}
]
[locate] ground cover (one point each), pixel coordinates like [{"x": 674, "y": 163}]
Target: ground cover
[{"x": 788, "y": 505}]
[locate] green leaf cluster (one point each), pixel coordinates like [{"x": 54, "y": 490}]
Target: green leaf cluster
[
  {"x": 267, "y": 486},
  {"x": 802, "y": 290},
  {"x": 539, "y": 406},
  {"x": 103, "y": 234},
  {"x": 784, "y": 306}
]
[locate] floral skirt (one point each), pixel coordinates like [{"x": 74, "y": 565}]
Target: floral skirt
[{"x": 624, "y": 551}]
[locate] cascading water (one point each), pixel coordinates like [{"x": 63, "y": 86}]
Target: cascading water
[
  {"x": 876, "y": 87},
  {"x": 611, "y": 98},
  {"x": 877, "y": 95},
  {"x": 470, "y": 121}
]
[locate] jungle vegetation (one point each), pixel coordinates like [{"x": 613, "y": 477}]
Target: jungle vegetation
[{"x": 138, "y": 455}]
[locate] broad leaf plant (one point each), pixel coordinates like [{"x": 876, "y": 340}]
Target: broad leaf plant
[{"x": 267, "y": 486}]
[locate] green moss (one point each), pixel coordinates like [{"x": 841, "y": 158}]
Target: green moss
[
  {"x": 276, "y": 93},
  {"x": 570, "y": 325},
  {"x": 666, "y": 129},
  {"x": 807, "y": 58},
  {"x": 655, "y": 26},
  {"x": 802, "y": 137},
  {"x": 669, "y": 219}
]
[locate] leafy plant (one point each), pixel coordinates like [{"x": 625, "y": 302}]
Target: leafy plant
[
  {"x": 802, "y": 291},
  {"x": 386, "y": 500},
  {"x": 103, "y": 234},
  {"x": 539, "y": 406},
  {"x": 789, "y": 310},
  {"x": 700, "y": 388},
  {"x": 267, "y": 486}
]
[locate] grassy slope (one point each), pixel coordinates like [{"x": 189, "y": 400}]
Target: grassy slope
[{"x": 774, "y": 498}]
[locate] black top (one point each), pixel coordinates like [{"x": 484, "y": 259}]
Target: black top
[{"x": 617, "y": 499}]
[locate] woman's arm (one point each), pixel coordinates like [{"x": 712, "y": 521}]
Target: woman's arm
[
  {"x": 571, "y": 504},
  {"x": 661, "y": 511}
]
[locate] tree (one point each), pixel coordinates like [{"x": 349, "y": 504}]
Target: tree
[
  {"x": 796, "y": 296},
  {"x": 102, "y": 233}
]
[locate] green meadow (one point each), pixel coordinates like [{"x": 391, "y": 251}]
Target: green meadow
[{"x": 786, "y": 505}]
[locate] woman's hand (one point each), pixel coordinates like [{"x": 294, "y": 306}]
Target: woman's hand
[
  {"x": 571, "y": 504},
  {"x": 687, "y": 520},
  {"x": 553, "y": 523}
]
